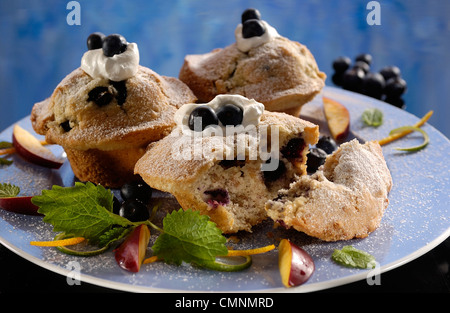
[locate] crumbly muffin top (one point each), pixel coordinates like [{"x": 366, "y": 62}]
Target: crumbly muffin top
[
  {"x": 280, "y": 68},
  {"x": 85, "y": 112}
]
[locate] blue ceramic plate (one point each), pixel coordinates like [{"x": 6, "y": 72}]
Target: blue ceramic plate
[{"x": 416, "y": 221}]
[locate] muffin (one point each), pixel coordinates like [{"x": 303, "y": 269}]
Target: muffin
[
  {"x": 345, "y": 199},
  {"x": 106, "y": 112},
  {"x": 229, "y": 166},
  {"x": 261, "y": 65}
]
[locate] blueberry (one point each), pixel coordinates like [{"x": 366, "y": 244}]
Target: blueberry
[
  {"x": 134, "y": 210},
  {"x": 316, "y": 157},
  {"x": 341, "y": 64},
  {"x": 116, "y": 205},
  {"x": 205, "y": 115},
  {"x": 327, "y": 144},
  {"x": 114, "y": 44},
  {"x": 365, "y": 57},
  {"x": 100, "y": 95},
  {"x": 373, "y": 85},
  {"x": 230, "y": 114},
  {"x": 337, "y": 78},
  {"x": 121, "y": 91},
  {"x": 252, "y": 28},
  {"x": 352, "y": 79},
  {"x": 216, "y": 197},
  {"x": 250, "y": 14},
  {"x": 293, "y": 149},
  {"x": 395, "y": 87},
  {"x": 362, "y": 65},
  {"x": 390, "y": 72},
  {"x": 65, "y": 126},
  {"x": 136, "y": 190},
  {"x": 271, "y": 176},
  {"x": 396, "y": 101},
  {"x": 95, "y": 41}
]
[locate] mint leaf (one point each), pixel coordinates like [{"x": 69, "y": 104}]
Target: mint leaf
[
  {"x": 352, "y": 257},
  {"x": 189, "y": 237},
  {"x": 5, "y": 145},
  {"x": 112, "y": 235},
  {"x": 372, "y": 117},
  {"x": 83, "y": 210},
  {"x": 8, "y": 190},
  {"x": 4, "y": 161}
]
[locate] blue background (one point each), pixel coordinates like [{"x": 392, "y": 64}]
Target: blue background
[{"x": 38, "y": 47}]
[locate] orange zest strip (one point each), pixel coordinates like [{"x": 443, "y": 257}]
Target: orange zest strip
[
  {"x": 396, "y": 136},
  {"x": 7, "y": 151},
  {"x": 58, "y": 243},
  {"x": 250, "y": 251},
  {"x": 13, "y": 150},
  {"x": 151, "y": 259}
]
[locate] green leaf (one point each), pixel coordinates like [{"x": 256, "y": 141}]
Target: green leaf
[
  {"x": 8, "y": 191},
  {"x": 372, "y": 117},
  {"x": 112, "y": 235},
  {"x": 83, "y": 210},
  {"x": 189, "y": 237},
  {"x": 352, "y": 257},
  {"x": 4, "y": 161},
  {"x": 5, "y": 145}
]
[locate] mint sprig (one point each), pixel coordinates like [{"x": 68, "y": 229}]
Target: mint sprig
[
  {"x": 372, "y": 117},
  {"x": 352, "y": 257},
  {"x": 8, "y": 190},
  {"x": 5, "y": 144},
  {"x": 190, "y": 237},
  {"x": 83, "y": 210}
]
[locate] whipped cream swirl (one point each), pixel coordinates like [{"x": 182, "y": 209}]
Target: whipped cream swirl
[
  {"x": 245, "y": 44},
  {"x": 116, "y": 68},
  {"x": 252, "y": 111}
]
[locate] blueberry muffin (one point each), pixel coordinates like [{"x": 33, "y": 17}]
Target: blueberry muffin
[
  {"x": 261, "y": 65},
  {"x": 345, "y": 199},
  {"x": 105, "y": 113},
  {"x": 231, "y": 164}
]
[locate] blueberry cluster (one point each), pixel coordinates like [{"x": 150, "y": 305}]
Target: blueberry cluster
[
  {"x": 251, "y": 24},
  {"x": 386, "y": 85},
  {"x": 136, "y": 197},
  {"x": 317, "y": 154},
  {"x": 228, "y": 114},
  {"x": 111, "y": 44}
]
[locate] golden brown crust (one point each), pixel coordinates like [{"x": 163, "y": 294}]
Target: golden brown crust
[
  {"x": 281, "y": 74},
  {"x": 111, "y": 168},
  {"x": 345, "y": 199}
]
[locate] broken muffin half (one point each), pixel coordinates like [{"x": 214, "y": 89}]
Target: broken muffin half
[{"x": 229, "y": 172}]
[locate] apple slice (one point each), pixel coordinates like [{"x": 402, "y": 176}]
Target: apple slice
[
  {"x": 18, "y": 204},
  {"x": 338, "y": 118},
  {"x": 31, "y": 149},
  {"x": 295, "y": 264},
  {"x": 131, "y": 253}
]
